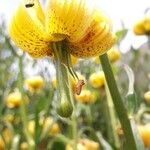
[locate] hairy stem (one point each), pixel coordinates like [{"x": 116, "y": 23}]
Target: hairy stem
[{"x": 64, "y": 88}]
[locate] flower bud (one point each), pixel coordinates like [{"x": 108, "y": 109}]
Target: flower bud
[{"x": 65, "y": 109}]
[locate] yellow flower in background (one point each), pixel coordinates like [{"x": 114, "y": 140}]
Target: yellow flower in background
[
  {"x": 113, "y": 54},
  {"x": 34, "y": 83},
  {"x": 24, "y": 146},
  {"x": 7, "y": 135},
  {"x": 142, "y": 27},
  {"x": 31, "y": 127},
  {"x": 86, "y": 97},
  {"x": 50, "y": 126},
  {"x": 84, "y": 144},
  {"x": 138, "y": 28},
  {"x": 13, "y": 100},
  {"x": 144, "y": 131},
  {"x": 9, "y": 118},
  {"x": 2, "y": 144},
  {"x": 54, "y": 83},
  {"x": 147, "y": 97},
  {"x": 87, "y": 31},
  {"x": 147, "y": 24},
  {"x": 55, "y": 129},
  {"x": 90, "y": 145},
  {"x": 97, "y": 80}
]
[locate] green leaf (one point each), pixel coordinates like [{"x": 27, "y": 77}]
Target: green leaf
[
  {"x": 121, "y": 34},
  {"x": 131, "y": 95},
  {"x": 132, "y": 103}
]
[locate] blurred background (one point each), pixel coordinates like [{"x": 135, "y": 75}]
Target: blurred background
[{"x": 39, "y": 85}]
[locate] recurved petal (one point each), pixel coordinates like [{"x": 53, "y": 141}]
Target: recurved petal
[
  {"x": 99, "y": 44},
  {"x": 27, "y": 32},
  {"x": 35, "y": 9},
  {"x": 69, "y": 17},
  {"x": 97, "y": 39},
  {"x": 92, "y": 50}
]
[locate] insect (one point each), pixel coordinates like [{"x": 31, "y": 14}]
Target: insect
[
  {"x": 29, "y": 3},
  {"x": 79, "y": 86}
]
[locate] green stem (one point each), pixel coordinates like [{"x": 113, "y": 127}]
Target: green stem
[
  {"x": 64, "y": 88},
  {"x": 37, "y": 126},
  {"x": 74, "y": 132},
  {"x": 62, "y": 138},
  {"x": 118, "y": 102},
  {"x": 11, "y": 47},
  {"x": 113, "y": 137},
  {"x": 89, "y": 114},
  {"x": 23, "y": 108}
]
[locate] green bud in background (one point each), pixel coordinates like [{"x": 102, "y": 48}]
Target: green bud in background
[{"x": 65, "y": 109}]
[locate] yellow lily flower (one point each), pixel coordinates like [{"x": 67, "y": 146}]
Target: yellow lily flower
[
  {"x": 64, "y": 28},
  {"x": 87, "y": 32}
]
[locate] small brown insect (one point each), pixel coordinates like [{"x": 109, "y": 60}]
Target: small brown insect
[
  {"x": 79, "y": 86},
  {"x": 29, "y": 3}
]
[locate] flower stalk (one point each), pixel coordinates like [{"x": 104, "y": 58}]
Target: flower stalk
[
  {"x": 113, "y": 137},
  {"x": 118, "y": 103},
  {"x": 64, "y": 89},
  {"x": 75, "y": 132},
  {"x": 23, "y": 108}
]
